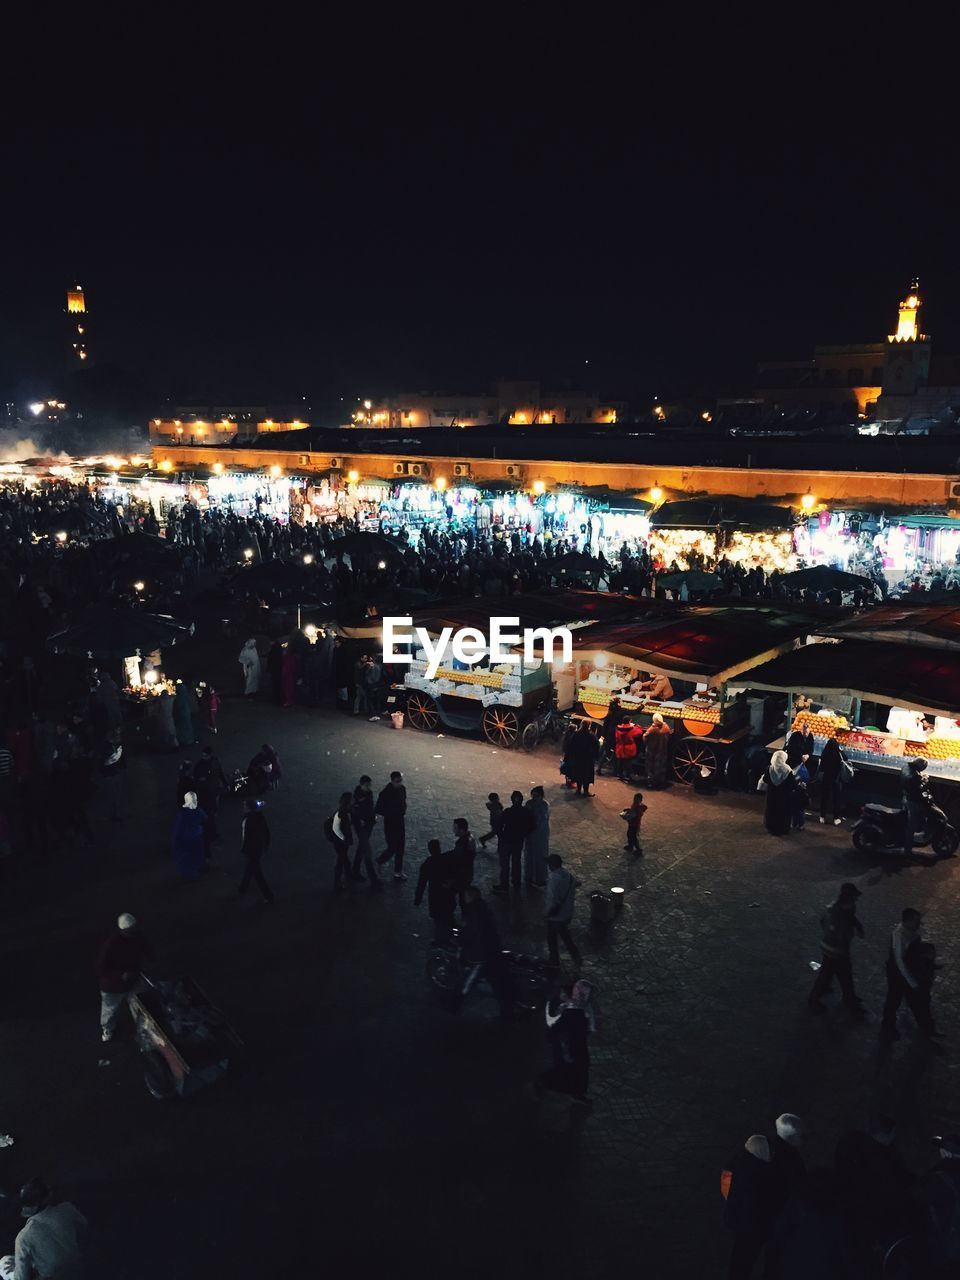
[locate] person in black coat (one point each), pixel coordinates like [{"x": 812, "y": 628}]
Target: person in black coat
[
  {"x": 392, "y": 807},
  {"x": 799, "y": 745},
  {"x": 254, "y": 842},
  {"x": 749, "y": 1208},
  {"x": 483, "y": 949},
  {"x": 438, "y": 878},
  {"x": 581, "y": 756},
  {"x": 516, "y": 823},
  {"x": 364, "y": 820},
  {"x": 830, "y": 774},
  {"x": 786, "y": 1162}
]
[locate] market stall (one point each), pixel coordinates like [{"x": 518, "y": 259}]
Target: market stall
[
  {"x": 701, "y": 652},
  {"x": 901, "y": 545},
  {"x": 698, "y": 533},
  {"x": 881, "y": 701}
]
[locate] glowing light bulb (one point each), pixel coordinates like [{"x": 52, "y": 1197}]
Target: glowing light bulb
[
  {"x": 656, "y": 493},
  {"x": 807, "y": 501},
  {"x": 139, "y": 586},
  {"x": 247, "y": 554},
  {"x": 276, "y": 470},
  {"x": 353, "y": 476},
  {"x": 308, "y": 559},
  {"x": 539, "y": 487},
  {"x": 218, "y": 467}
]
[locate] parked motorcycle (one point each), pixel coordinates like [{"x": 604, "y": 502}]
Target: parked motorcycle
[
  {"x": 454, "y": 980},
  {"x": 881, "y": 829}
]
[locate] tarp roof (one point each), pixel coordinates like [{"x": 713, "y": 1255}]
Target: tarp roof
[
  {"x": 904, "y": 675},
  {"x": 727, "y": 513},
  {"x": 706, "y": 645},
  {"x": 934, "y": 626}
]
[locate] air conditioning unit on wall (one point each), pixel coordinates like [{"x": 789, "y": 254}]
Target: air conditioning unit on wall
[
  {"x": 461, "y": 468},
  {"x": 955, "y": 490},
  {"x": 336, "y": 464},
  {"x": 418, "y": 469},
  {"x": 514, "y": 472},
  {"x": 400, "y": 468}
]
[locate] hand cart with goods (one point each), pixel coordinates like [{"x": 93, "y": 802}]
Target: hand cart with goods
[{"x": 185, "y": 1040}]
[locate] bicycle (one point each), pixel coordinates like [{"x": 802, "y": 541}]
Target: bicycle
[{"x": 548, "y": 723}]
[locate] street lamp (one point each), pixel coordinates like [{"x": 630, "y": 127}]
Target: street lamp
[
  {"x": 440, "y": 483},
  {"x": 807, "y": 501},
  {"x": 656, "y": 493},
  {"x": 353, "y": 477},
  {"x": 539, "y": 487}
]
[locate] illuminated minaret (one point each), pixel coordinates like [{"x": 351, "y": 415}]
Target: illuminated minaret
[
  {"x": 77, "y": 312},
  {"x": 908, "y": 319}
]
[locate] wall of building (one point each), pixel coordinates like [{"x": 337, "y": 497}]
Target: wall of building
[{"x": 835, "y": 488}]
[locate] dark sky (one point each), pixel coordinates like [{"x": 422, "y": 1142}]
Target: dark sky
[{"x": 670, "y": 236}]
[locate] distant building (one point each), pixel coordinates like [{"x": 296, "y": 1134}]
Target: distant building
[
  {"x": 896, "y": 379},
  {"x": 212, "y": 423},
  {"x": 510, "y": 403},
  {"x": 77, "y": 326}
]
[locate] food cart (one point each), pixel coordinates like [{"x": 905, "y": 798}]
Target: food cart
[
  {"x": 883, "y": 702},
  {"x": 500, "y": 701},
  {"x": 702, "y": 651}
]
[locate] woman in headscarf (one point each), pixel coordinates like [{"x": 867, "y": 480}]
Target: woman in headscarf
[
  {"x": 779, "y": 783},
  {"x": 656, "y": 747},
  {"x": 183, "y": 716},
  {"x": 249, "y": 660},
  {"x": 189, "y": 838},
  {"x": 831, "y": 771},
  {"x": 569, "y": 1025},
  {"x": 581, "y": 757}
]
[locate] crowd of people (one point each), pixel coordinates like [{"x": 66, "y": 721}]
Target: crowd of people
[{"x": 863, "y": 1215}]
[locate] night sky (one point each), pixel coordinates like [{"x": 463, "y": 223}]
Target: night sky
[{"x": 670, "y": 238}]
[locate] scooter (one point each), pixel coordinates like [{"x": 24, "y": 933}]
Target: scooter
[{"x": 880, "y": 829}]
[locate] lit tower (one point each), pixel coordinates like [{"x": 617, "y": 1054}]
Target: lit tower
[
  {"x": 908, "y": 319},
  {"x": 906, "y": 366},
  {"x": 77, "y": 313}
]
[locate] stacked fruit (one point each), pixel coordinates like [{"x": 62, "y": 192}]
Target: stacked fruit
[
  {"x": 707, "y": 715},
  {"x": 824, "y": 725},
  {"x": 935, "y": 749},
  {"x": 484, "y": 678},
  {"x": 596, "y": 697}
]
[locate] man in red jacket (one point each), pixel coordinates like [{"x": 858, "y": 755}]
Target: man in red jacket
[{"x": 121, "y": 958}]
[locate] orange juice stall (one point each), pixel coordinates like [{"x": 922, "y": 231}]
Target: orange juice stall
[
  {"x": 883, "y": 702},
  {"x": 687, "y": 668}
]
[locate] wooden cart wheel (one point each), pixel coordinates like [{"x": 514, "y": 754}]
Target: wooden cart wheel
[
  {"x": 422, "y": 711},
  {"x": 501, "y": 726},
  {"x": 692, "y": 755},
  {"x": 530, "y": 736}
]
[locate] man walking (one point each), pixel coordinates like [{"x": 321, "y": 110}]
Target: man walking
[
  {"x": 392, "y": 807},
  {"x": 902, "y": 984},
  {"x": 464, "y": 854},
  {"x": 514, "y": 828},
  {"x": 561, "y": 896},
  {"x": 254, "y": 842},
  {"x": 438, "y": 878},
  {"x": 838, "y": 927},
  {"x": 339, "y": 829},
  {"x": 122, "y": 957},
  {"x": 537, "y": 848},
  {"x": 364, "y": 820}
]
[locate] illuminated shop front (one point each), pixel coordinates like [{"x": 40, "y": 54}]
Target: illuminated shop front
[
  {"x": 251, "y": 495},
  {"x": 698, "y": 534},
  {"x": 900, "y": 547}
]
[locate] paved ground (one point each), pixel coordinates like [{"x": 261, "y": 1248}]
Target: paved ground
[{"x": 372, "y": 1129}]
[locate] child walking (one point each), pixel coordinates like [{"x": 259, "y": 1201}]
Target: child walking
[{"x": 633, "y": 816}]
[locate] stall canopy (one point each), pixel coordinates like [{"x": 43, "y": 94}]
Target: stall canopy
[
  {"x": 722, "y": 513},
  {"x": 572, "y": 609},
  {"x": 936, "y": 626},
  {"x": 705, "y": 645},
  {"x": 120, "y": 633},
  {"x": 903, "y": 675}
]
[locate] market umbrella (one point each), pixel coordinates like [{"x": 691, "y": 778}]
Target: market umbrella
[
  {"x": 573, "y": 562},
  {"x": 277, "y": 575},
  {"x": 119, "y": 633},
  {"x": 692, "y": 579},
  {"x": 372, "y": 545},
  {"x": 822, "y": 578},
  {"x": 136, "y": 550}
]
